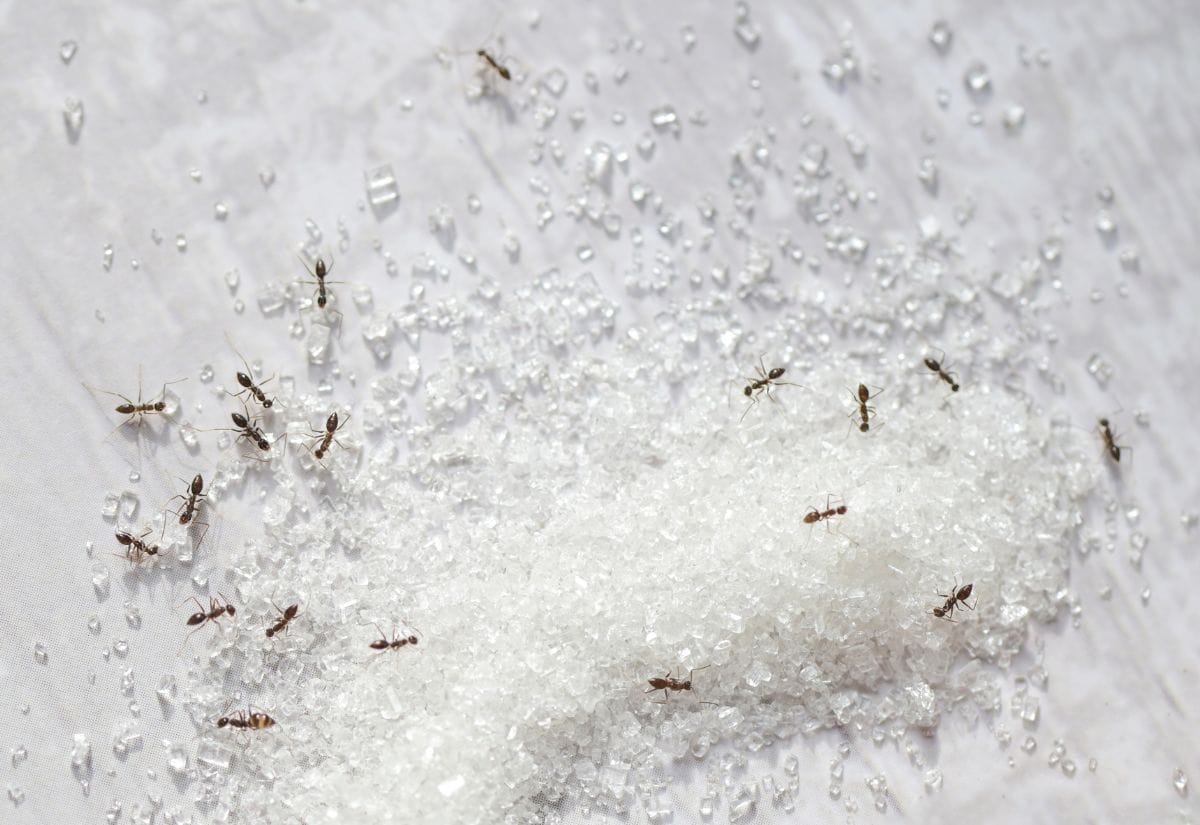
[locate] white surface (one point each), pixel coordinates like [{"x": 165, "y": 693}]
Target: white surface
[{"x": 315, "y": 93}]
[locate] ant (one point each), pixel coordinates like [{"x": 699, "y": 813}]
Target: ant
[
  {"x": 285, "y": 617},
  {"x": 321, "y": 297},
  {"x": 864, "y": 412},
  {"x": 763, "y": 383},
  {"x": 936, "y": 367},
  {"x": 323, "y": 439},
  {"x": 247, "y": 720},
  {"x": 136, "y": 547},
  {"x": 139, "y": 409},
  {"x": 953, "y": 598},
  {"x": 251, "y": 432},
  {"x": 1110, "y": 441},
  {"x": 396, "y": 643},
  {"x": 191, "y": 504},
  {"x": 216, "y": 609},
  {"x": 814, "y": 515},
  {"x": 247, "y": 383},
  {"x": 499, "y": 68},
  {"x": 667, "y": 684}
]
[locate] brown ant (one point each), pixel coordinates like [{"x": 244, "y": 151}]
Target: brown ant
[
  {"x": 136, "y": 548},
  {"x": 499, "y": 68},
  {"x": 814, "y": 515},
  {"x": 763, "y": 383},
  {"x": 191, "y": 503},
  {"x": 936, "y": 367},
  {"x": 666, "y": 684},
  {"x": 139, "y": 409},
  {"x": 247, "y": 720},
  {"x": 396, "y": 643},
  {"x": 956, "y": 596},
  {"x": 323, "y": 438},
  {"x": 321, "y": 297},
  {"x": 285, "y": 617},
  {"x": 216, "y": 609},
  {"x": 249, "y": 431},
  {"x": 864, "y": 412},
  {"x": 246, "y": 382},
  {"x": 1110, "y": 441}
]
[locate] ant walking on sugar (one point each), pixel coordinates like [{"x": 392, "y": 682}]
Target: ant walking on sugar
[
  {"x": 956, "y": 596},
  {"x": 864, "y": 412},
  {"x": 396, "y": 642},
  {"x": 323, "y": 439},
  {"x": 246, "y": 720},
  {"x": 935, "y": 366},
  {"x": 285, "y": 618},
  {"x": 765, "y": 379},
  {"x": 814, "y": 515},
  {"x": 216, "y": 609},
  {"x": 667, "y": 684}
]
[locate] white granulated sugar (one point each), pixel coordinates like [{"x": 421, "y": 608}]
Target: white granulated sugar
[{"x": 558, "y": 518}]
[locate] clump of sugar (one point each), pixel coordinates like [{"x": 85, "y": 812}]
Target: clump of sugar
[{"x": 563, "y": 515}]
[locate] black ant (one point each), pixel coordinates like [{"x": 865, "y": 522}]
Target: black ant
[
  {"x": 247, "y": 720},
  {"x": 139, "y": 409},
  {"x": 864, "y": 412},
  {"x": 191, "y": 503},
  {"x": 814, "y": 515},
  {"x": 396, "y": 643},
  {"x": 251, "y": 432},
  {"x": 247, "y": 383},
  {"x": 323, "y": 438},
  {"x": 321, "y": 297},
  {"x": 285, "y": 617},
  {"x": 135, "y": 547},
  {"x": 1110, "y": 441},
  {"x": 936, "y": 367},
  {"x": 216, "y": 609},
  {"x": 956, "y": 596},
  {"x": 667, "y": 684},
  {"x": 763, "y": 383},
  {"x": 499, "y": 68}
]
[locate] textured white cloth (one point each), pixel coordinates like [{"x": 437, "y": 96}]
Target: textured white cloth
[{"x": 316, "y": 94}]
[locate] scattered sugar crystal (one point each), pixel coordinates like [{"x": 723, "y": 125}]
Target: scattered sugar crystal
[
  {"x": 73, "y": 119},
  {"x": 1180, "y": 781},
  {"x": 100, "y": 580},
  {"x": 39, "y": 653},
  {"x": 383, "y": 193},
  {"x": 941, "y": 36}
]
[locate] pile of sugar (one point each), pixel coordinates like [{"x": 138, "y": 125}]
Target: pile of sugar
[{"x": 564, "y": 507}]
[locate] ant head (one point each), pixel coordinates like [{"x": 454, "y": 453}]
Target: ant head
[
  {"x": 863, "y": 427},
  {"x": 159, "y": 406},
  {"x": 268, "y": 403},
  {"x": 321, "y": 301},
  {"x": 230, "y": 609},
  {"x": 270, "y": 632},
  {"x": 686, "y": 684},
  {"x": 775, "y": 373},
  {"x": 939, "y": 612},
  {"x": 954, "y": 388},
  {"x": 747, "y": 390},
  {"x": 1104, "y": 422},
  {"x": 223, "y": 721},
  {"x": 412, "y": 640},
  {"x": 263, "y": 444},
  {"x": 239, "y": 420}
]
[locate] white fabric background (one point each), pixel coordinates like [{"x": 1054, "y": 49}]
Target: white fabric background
[{"x": 314, "y": 91}]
